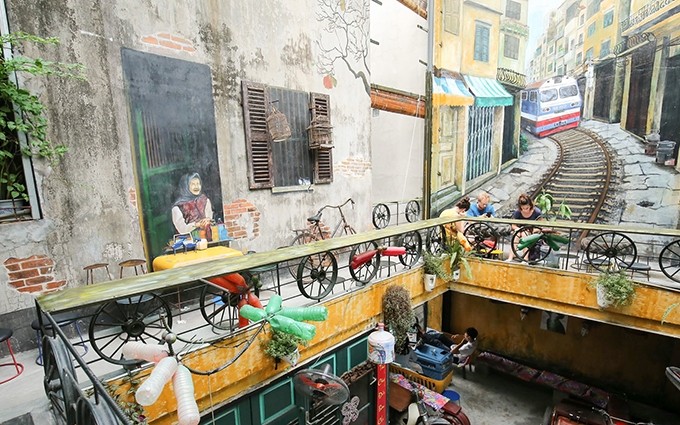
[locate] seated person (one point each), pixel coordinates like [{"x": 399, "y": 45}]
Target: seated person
[
  {"x": 466, "y": 347},
  {"x": 457, "y": 211},
  {"x": 482, "y": 206},
  {"x": 526, "y": 210}
]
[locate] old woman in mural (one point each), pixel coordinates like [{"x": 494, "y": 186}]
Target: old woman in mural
[{"x": 192, "y": 209}]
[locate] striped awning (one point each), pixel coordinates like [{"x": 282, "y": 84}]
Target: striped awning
[
  {"x": 488, "y": 92},
  {"x": 450, "y": 91}
]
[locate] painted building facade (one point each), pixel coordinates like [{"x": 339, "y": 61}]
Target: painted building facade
[{"x": 171, "y": 90}]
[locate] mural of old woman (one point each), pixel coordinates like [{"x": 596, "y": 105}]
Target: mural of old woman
[{"x": 192, "y": 209}]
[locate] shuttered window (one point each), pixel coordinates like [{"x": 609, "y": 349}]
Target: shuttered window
[
  {"x": 289, "y": 162},
  {"x": 451, "y": 13},
  {"x": 481, "y": 42}
]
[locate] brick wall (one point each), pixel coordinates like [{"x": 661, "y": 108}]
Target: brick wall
[
  {"x": 242, "y": 219},
  {"x": 32, "y": 274},
  {"x": 166, "y": 40}
]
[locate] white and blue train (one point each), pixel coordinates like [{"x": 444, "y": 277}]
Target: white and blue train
[{"x": 551, "y": 106}]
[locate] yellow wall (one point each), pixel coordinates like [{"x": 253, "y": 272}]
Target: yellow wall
[
  {"x": 608, "y": 356},
  {"x": 471, "y": 15},
  {"x": 602, "y": 34}
]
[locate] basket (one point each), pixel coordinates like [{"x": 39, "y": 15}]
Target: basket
[
  {"x": 277, "y": 125},
  {"x": 429, "y": 383},
  {"x": 320, "y": 133}
]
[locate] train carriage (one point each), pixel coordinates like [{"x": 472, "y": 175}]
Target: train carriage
[{"x": 551, "y": 106}]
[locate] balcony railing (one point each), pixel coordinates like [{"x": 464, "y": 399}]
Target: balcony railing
[
  {"x": 198, "y": 321},
  {"x": 510, "y": 77},
  {"x": 644, "y": 12}
]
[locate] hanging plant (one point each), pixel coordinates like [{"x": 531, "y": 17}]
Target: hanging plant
[
  {"x": 398, "y": 316},
  {"x": 23, "y": 113}
]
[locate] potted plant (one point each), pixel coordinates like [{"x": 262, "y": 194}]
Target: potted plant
[
  {"x": 283, "y": 346},
  {"x": 433, "y": 266},
  {"x": 23, "y": 125},
  {"x": 545, "y": 202},
  {"x": 399, "y": 318},
  {"x": 458, "y": 252},
  {"x": 614, "y": 288}
]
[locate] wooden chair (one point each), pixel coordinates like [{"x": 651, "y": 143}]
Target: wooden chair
[
  {"x": 89, "y": 272},
  {"x": 133, "y": 263}
]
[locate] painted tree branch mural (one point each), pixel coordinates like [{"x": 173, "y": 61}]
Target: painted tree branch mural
[{"x": 346, "y": 43}]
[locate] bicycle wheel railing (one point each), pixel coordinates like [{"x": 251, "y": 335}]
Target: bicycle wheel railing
[{"x": 148, "y": 307}]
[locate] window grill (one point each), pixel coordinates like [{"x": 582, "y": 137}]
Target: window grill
[{"x": 480, "y": 139}]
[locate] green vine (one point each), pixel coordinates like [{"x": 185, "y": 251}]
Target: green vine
[{"x": 23, "y": 112}]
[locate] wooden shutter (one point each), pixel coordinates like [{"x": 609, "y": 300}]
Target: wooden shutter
[
  {"x": 320, "y": 104},
  {"x": 258, "y": 145}
]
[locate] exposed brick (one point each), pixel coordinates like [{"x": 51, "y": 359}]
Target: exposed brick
[
  {"x": 18, "y": 283},
  {"x": 164, "y": 35},
  {"x": 188, "y": 49},
  {"x": 39, "y": 280},
  {"x": 23, "y": 274},
  {"x": 56, "y": 285},
  {"x": 170, "y": 44},
  {"x": 45, "y": 270},
  {"x": 37, "y": 263},
  {"x": 150, "y": 40},
  {"x": 180, "y": 39},
  {"x": 12, "y": 260},
  {"x": 30, "y": 289},
  {"x": 12, "y": 267}
]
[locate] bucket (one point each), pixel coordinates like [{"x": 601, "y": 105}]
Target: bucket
[
  {"x": 453, "y": 396},
  {"x": 665, "y": 151}
]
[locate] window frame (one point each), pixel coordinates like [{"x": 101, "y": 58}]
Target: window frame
[
  {"x": 514, "y": 49},
  {"x": 256, "y": 106},
  {"x": 481, "y": 51},
  {"x": 592, "y": 29},
  {"x": 515, "y": 12},
  {"x": 451, "y": 16},
  {"x": 607, "y": 22}
]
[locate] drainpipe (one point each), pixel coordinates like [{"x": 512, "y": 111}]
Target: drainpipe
[{"x": 427, "y": 151}]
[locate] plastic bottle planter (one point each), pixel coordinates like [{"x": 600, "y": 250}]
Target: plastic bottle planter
[
  {"x": 292, "y": 358},
  {"x": 602, "y": 300},
  {"x": 430, "y": 281}
]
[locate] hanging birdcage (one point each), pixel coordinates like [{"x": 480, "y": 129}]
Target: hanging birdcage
[
  {"x": 320, "y": 133},
  {"x": 277, "y": 125}
]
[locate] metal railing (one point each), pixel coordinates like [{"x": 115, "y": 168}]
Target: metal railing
[{"x": 199, "y": 314}]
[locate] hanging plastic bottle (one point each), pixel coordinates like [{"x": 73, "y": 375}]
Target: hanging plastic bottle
[
  {"x": 381, "y": 346},
  {"x": 187, "y": 409},
  {"x": 140, "y": 351},
  {"x": 151, "y": 388}
]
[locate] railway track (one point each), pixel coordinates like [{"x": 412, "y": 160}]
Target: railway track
[{"x": 581, "y": 175}]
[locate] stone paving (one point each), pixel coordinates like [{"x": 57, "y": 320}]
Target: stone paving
[{"x": 645, "y": 194}]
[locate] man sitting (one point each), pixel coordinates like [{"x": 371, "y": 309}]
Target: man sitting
[{"x": 482, "y": 206}]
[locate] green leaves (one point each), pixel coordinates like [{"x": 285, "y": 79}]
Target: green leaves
[
  {"x": 22, "y": 112},
  {"x": 545, "y": 201}
]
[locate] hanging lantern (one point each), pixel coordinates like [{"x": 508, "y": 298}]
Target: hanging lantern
[{"x": 381, "y": 346}]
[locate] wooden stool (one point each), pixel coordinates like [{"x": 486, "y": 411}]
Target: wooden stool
[
  {"x": 89, "y": 275},
  {"x": 133, "y": 263},
  {"x": 5, "y": 335}
]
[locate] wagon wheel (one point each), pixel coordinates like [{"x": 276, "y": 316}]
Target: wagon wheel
[
  {"x": 317, "y": 274},
  {"x": 137, "y": 318},
  {"x": 367, "y": 271},
  {"x": 534, "y": 254},
  {"x": 217, "y": 307},
  {"x": 88, "y": 413},
  {"x": 301, "y": 239},
  {"x": 434, "y": 241},
  {"x": 414, "y": 245},
  {"x": 59, "y": 389},
  {"x": 611, "y": 250},
  {"x": 669, "y": 260},
  {"x": 412, "y": 211},
  {"x": 381, "y": 216},
  {"x": 483, "y": 238}
]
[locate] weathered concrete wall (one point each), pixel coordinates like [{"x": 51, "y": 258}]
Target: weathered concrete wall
[
  {"x": 89, "y": 201},
  {"x": 395, "y": 64}
]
